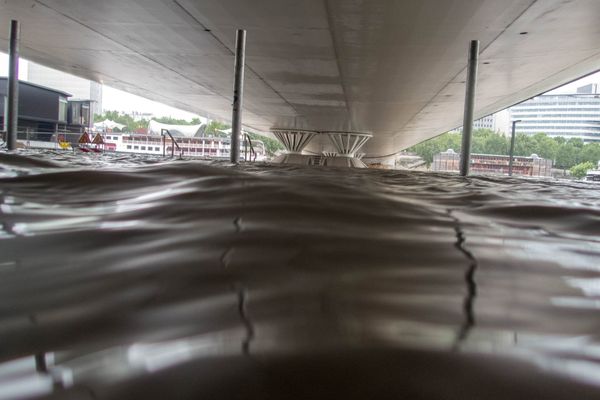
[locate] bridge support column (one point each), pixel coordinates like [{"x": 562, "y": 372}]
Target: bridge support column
[
  {"x": 348, "y": 144},
  {"x": 238, "y": 95},
  {"x": 294, "y": 140},
  {"x": 465, "y": 159},
  {"x": 12, "y": 115}
]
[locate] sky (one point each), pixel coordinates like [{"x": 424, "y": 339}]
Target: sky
[
  {"x": 114, "y": 99},
  {"x": 117, "y": 100},
  {"x": 572, "y": 87}
]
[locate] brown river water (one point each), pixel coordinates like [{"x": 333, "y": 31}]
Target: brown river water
[{"x": 138, "y": 278}]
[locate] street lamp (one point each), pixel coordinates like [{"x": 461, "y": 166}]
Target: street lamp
[{"x": 512, "y": 147}]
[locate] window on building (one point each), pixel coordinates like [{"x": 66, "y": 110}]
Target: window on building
[
  {"x": 62, "y": 109},
  {"x": 85, "y": 114},
  {"x": 128, "y": 147},
  {"x": 143, "y": 147},
  {"x": 136, "y": 147}
]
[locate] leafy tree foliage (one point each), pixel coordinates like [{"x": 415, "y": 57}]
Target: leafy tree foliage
[
  {"x": 216, "y": 129},
  {"x": 579, "y": 171},
  {"x": 271, "y": 145},
  {"x": 132, "y": 125},
  {"x": 175, "y": 121},
  {"x": 124, "y": 119},
  {"x": 565, "y": 153}
]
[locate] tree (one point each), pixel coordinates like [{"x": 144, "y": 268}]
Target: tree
[
  {"x": 215, "y": 128},
  {"x": 546, "y": 147},
  {"x": 591, "y": 153},
  {"x": 564, "y": 152},
  {"x": 175, "y": 121},
  {"x": 123, "y": 119},
  {"x": 271, "y": 145},
  {"x": 429, "y": 148},
  {"x": 496, "y": 144},
  {"x": 566, "y": 156},
  {"x": 579, "y": 171},
  {"x": 525, "y": 145}
]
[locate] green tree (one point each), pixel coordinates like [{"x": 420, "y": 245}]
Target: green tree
[
  {"x": 271, "y": 145},
  {"x": 579, "y": 171},
  {"x": 564, "y": 152},
  {"x": 216, "y": 128},
  {"x": 124, "y": 119},
  {"x": 578, "y": 143},
  {"x": 496, "y": 144},
  {"x": 525, "y": 145},
  {"x": 546, "y": 147},
  {"x": 175, "y": 121},
  {"x": 429, "y": 148},
  {"x": 591, "y": 153},
  {"x": 566, "y": 156}
]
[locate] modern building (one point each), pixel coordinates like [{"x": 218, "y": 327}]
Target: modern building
[
  {"x": 449, "y": 161},
  {"x": 567, "y": 115},
  {"x": 44, "y": 112},
  {"x": 79, "y": 88},
  {"x": 488, "y": 122},
  {"x": 498, "y": 122}
]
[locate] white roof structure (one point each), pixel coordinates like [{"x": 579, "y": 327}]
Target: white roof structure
[
  {"x": 108, "y": 124},
  {"x": 155, "y": 128},
  {"x": 391, "y": 68}
]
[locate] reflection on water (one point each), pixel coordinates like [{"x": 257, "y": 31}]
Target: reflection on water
[{"x": 131, "y": 277}]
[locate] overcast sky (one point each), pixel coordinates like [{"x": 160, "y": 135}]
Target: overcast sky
[
  {"x": 113, "y": 99},
  {"x": 118, "y": 100}
]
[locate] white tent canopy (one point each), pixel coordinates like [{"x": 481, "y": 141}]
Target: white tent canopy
[
  {"x": 108, "y": 124},
  {"x": 155, "y": 128}
]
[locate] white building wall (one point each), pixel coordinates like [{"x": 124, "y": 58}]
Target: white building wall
[{"x": 570, "y": 116}]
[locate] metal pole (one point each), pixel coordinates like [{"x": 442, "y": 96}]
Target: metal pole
[
  {"x": 465, "y": 160},
  {"x": 512, "y": 147},
  {"x": 238, "y": 95},
  {"x": 12, "y": 116}
]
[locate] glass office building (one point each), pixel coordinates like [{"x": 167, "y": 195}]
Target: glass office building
[{"x": 570, "y": 116}]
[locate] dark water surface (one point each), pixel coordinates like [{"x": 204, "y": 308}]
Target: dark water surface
[{"x": 132, "y": 278}]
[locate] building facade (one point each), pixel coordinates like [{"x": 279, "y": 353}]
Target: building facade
[
  {"x": 449, "y": 161},
  {"x": 498, "y": 122},
  {"x": 45, "y": 113},
  {"x": 569, "y": 116}
]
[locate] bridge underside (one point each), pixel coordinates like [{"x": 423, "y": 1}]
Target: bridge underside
[{"x": 394, "y": 69}]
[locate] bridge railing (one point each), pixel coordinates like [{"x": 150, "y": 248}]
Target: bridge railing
[
  {"x": 173, "y": 141},
  {"x": 248, "y": 143}
]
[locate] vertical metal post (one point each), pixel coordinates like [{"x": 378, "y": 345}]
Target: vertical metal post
[
  {"x": 238, "y": 95},
  {"x": 12, "y": 115},
  {"x": 465, "y": 160},
  {"x": 512, "y": 147}
]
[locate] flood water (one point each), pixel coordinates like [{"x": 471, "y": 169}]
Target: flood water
[{"x": 130, "y": 277}]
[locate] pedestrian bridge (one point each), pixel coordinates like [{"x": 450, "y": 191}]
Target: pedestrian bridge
[{"x": 392, "y": 69}]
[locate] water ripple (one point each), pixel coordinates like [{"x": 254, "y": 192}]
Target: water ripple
[{"x": 131, "y": 277}]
